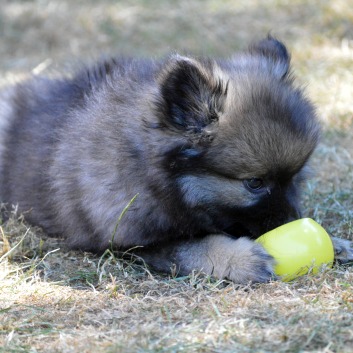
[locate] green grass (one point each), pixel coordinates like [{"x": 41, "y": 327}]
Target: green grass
[{"x": 56, "y": 300}]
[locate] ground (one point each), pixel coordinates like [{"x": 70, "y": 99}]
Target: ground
[{"x": 56, "y": 300}]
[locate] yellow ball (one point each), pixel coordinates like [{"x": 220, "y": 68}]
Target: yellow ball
[{"x": 297, "y": 247}]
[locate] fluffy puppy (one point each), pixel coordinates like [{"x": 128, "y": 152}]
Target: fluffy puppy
[{"x": 215, "y": 151}]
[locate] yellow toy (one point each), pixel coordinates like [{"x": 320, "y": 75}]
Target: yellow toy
[{"x": 297, "y": 247}]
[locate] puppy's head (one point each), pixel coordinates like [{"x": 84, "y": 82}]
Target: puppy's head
[{"x": 241, "y": 135}]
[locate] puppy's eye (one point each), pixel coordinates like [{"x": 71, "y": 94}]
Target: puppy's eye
[{"x": 254, "y": 184}]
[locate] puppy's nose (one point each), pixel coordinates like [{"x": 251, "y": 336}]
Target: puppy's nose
[
  {"x": 295, "y": 214},
  {"x": 292, "y": 214}
]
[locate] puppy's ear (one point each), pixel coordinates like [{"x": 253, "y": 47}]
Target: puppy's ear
[
  {"x": 191, "y": 97},
  {"x": 275, "y": 53}
]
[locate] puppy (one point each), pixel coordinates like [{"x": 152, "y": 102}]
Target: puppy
[{"x": 214, "y": 152}]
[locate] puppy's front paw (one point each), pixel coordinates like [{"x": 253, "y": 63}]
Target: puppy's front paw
[
  {"x": 251, "y": 263},
  {"x": 343, "y": 250},
  {"x": 240, "y": 260}
]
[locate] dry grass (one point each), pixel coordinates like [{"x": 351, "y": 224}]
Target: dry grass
[
  {"x": 56, "y": 300},
  {"x": 61, "y": 301}
]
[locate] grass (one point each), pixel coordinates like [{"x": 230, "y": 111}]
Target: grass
[{"x": 56, "y": 300}]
